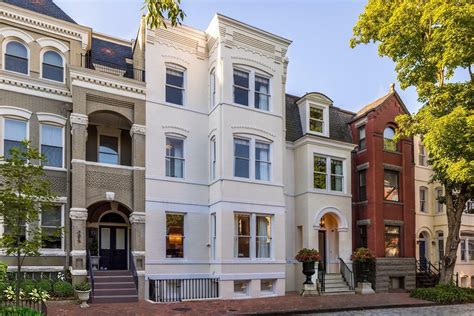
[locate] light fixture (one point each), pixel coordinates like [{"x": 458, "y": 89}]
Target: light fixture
[{"x": 322, "y": 223}]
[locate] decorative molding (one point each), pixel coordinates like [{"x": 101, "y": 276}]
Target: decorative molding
[
  {"x": 174, "y": 127},
  {"x": 80, "y": 119},
  {"x": 180, "y": 60},
  {"x": 50, "y": 117},
  {"x": 137, "y": 218},
  {"x": 253, "y": 129},
  {"x": 14, "y": 32},
  {"x": 78, "y": 272},
  {"x": 6, "y": 110},
  {"x": 78, "y": 253},
  {"x": 35, "y": 87},
  {"x": 363, "y": 166},
  {"x": 363, "y": 222},
  {"x": 253, "y": 61},
  {"x": 138, "y": 129},
  {"x": 392, "y": 167},
  {"x": 38, "y": 268},
  {"x": 78, "y": 213},
  {"x": 50, "y": 42},
  {"x": 138, "y": 253}
]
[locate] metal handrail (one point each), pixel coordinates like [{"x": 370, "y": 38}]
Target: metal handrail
[
  {"x": 133, "y": 269},
  {"x": 322, "y": 280},
  {"x": 346, "y": 273},
  {"x": 91, "y": 272}
]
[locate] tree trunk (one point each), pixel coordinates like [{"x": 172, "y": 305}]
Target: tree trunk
[
  {"x": 18, "y": 276},
  {"x": 455, "y": 204}
]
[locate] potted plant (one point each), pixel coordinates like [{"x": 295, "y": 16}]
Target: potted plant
[
  {"x": 95, "y": 258},
  {"x": 83, "y": 291},
  {"x": 308, "y": 257},
  {"x": 363, "y": 257}
]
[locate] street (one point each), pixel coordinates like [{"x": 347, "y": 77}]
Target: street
[{"x": 458, "y": 310}]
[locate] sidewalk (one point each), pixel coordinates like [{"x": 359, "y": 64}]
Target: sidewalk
[{"x": 289, "y": 304}]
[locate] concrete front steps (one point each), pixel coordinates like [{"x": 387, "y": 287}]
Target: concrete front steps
[
  {"x": 335, "y": 284},
  {"x": 115, "y": 286}
]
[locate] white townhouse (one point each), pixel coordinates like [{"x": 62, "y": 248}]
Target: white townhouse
[{"x": 215, "y": 161}]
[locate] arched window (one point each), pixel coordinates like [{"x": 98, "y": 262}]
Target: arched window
[
  {"x": 423, "y": 200},
  {"x": 53, "y": 67},
  {"x": 16, "y": 57},
  {"x": 388, "y": 139}
]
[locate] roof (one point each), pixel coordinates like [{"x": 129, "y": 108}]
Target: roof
[
  {"x": 110, "y": 53},
  {"x": 46, "y": 7},
  {"x": 374, "y": 104},
  {"x": 338, "y": 122}
]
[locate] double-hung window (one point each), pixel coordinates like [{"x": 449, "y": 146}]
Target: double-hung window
[
  {"x": 174, "y": 235},
  {"x": 421, "y": 155},
  {"x": 316, "y": 119},
  {"x": 241, "y": 87},
  {"x": 15, "y": 133},
  {"x": 16, "y": 57},
  {"x": 391, "y": 190},
  {"x": 253, "y": 236},
  {"x": 175, "y": 86},
  {"x": 262, "y": 93},
  {"x": 53, "y": 68},
  {"x": 213, "y": 155},
  {"x": 109, "y": 149},
  {"x": 439, "y": 196},
  {"x": 440, "y": 246},
  {"x": 51, "y": 222},
  {"x": 262, "y": 161},
  {"x": 174, "y": 157},
  {"x": 52, "y": 145},
  {"x": 362, "y": 144},
  {"x": 328, "y": 173},
  {"x": 241, "y": 158},
  {"x": 213, "y": 235},
  {"x": 363, "y": 185},
  {"x": 423, "y": 198}
]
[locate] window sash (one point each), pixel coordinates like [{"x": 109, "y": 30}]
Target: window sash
[
  {"x": 362, "y": 138},
  {"x": 262, "y": 93},
  {"x": 242, "y": 238},
  {"x": 52, "y": 72},
  {"x": 362, "y": 186},
  {"x": 439, "y": 205},
  {"x": 391, "y": 190},
  {"x": 16, "y": 64},
  {"x": 241, "y": 158},
  {"x": 213, "y": 158},
  {"x": 423, "y": 200},
  {"x": 175, "y": 234},
  {"x": 109, "y": 149}
]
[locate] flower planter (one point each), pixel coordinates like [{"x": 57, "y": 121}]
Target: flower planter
[
  {"x": 308, "y": 271},
  {"x": 83, "y": 296}
]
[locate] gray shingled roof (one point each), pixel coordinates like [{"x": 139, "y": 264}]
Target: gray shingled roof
[
  {"x": 46, "y": 7},
  {"x": 338, "y": 122},
  {"x": 110, "y": 53}
]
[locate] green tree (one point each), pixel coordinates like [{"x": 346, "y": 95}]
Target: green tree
[
  {"x": 160, "y": 10},
  {"x": 430, "y": 40},
  {"x": 24, "y": 194}
]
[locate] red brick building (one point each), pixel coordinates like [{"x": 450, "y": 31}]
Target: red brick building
[{"x": 383, "y": 193}]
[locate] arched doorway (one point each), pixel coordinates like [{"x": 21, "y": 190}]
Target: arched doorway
[{"x": 108, "y": 231}]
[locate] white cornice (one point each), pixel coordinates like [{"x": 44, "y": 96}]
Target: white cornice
[
  {"x": 318, "y": 141},
  {"x": 34, "y": 88}
]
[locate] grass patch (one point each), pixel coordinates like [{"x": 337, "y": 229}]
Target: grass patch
[{"x": 445, "y": 294}]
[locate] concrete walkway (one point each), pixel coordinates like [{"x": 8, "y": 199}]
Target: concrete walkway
[
  {"x": 445, "y": 310},
  {"x": 289, "y": 304}
]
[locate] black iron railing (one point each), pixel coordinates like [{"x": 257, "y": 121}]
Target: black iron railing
[
  {"x": 133, "y": 269},
  {"x": 347, "y": 274},
  {"x": 425, "y": 266},
  {"x": 36, "y": 306},
  {"x": 121, "y": 70},
  {"x": 322, "y": 280},
  {"x": 177, "y": 290},
  {"x": 91, "y": 273}
]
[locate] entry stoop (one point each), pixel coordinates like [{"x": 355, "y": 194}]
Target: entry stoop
[
  {"x": 334, "y": 284},
  {"x": 116, "y": 286}
]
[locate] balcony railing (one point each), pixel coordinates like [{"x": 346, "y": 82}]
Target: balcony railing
[
  {"x": 126, "y": 71},
  {"x": 177, "y": 290}
]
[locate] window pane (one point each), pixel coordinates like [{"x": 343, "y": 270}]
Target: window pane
[
  {"x": 316, "y": 126},
  {"x": 263, "y": 236},
  {"x": 241, "y": 96},
  {"x": 242, "y": 168},
  {"x": 174, "y": 235},
  {"x": 320, "y": 164},
  {"x": 319, "y": 178},
  {"x": 361, "y": 138},
  {"x": 174, "y": 77},
  {"x": 262, "y": 101},
  {"x": 213, "y": 88},
  {"x": 336, "y": 167},
  {"x": 336, "y": 183},
  {"x": 262, "y": 170},
  {"x": 362, "y": 186},
  {"x": 316, "y": 113},
  {"x": 319, "y": 181},
  {"x": 51, "y": 135},
  {"x": 262, "y": 151},
  {"x": 16, "y": 49},
  {"x": 51, "y": 217},
  {"x": 174, "y": 95},
  {"x": 174, "y": 147},
  {"x": 53, "y": 156},
  {"x": 471, "y": 248},
  {"x": 15, "y": 130},
  {"x": 174, "y": 167},
  {"x": 391, "y": 186},
  {"x": 53, "y": 73},
  {"x": 262, "y": 93},
  {"x": 52, "y": 238},
  {"x": 242, "y": 155},
  {"x": 16, "y": 58},
  {"x": 241, "y": 78},
  {"x": 389, "y": 143},
  {"x": 242, "y": 231},
  {"x": 108, "y": 150},
  {"x": 53, "y": 59},
  {"x": 392, "y": 241}
]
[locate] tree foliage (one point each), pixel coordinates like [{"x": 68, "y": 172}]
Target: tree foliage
[
  {"x": 161, "y": 10},
  {"x": 24, "y": 194},
  {"x": 430, "y": 41}
]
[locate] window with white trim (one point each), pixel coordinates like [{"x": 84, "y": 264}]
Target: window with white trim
[
  {"x": 423, "y": 200},
  {"x": 252, "y": 159},
  {"x": 213, "y": 235},
  {"x": 174, "y": 157},
  {"x": 253, "y": 235},
  {"x": 391, "y": 187},
  {"x": 328, "y": 173},
  {"x": 15, "y": 131},
  {"x": 213, "y": 160},
  {"x": 467, "y": 246},
  {"x": 51, "y": 221},
  {"x": 316, "y": 119},
  {"x": 52, "y": 145},
  {"x": 175, "y": 89},
  {"x": 174, "y": 235},
  {"x": 421, "y": 155},
  {"x": 439, "y": 197},
  {"x": 440, "y": 245},
  {"x": 212, "y": 84},
  {"x": 252, "y": 88},
  {"x": 53, "y": 66},
  {"x": 362, "y": 144},
  {"x": 16, "y": 57}
]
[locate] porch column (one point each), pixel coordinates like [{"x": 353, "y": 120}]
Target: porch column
[
  {"x": 345, "y": 244},
  {"x": 137, "y": 247},
  {"x": 78, "y": 211}
]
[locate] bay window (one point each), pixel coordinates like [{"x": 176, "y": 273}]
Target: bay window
[
  {"x": 175, "y": 85},
  {"x": 174, "y": 235},
  {"x": 252, "y": 159},
  {"x": 262, "y": 161},
  {"x": 52, "y": 145},
  {"x": 251, "y": 89},
  {"x": 15, "y": 133},
  {"x": 328, "y": 173},
  {"x": 241, "y": 158},
  {"x": 391, "y": 190},
  {"x": 174, "y": 157},
  {"x": 253, "y": 235}
]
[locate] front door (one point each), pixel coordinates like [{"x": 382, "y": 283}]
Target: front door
[
  {"x": 422, "y": 250},
  {"x": 113, "y": 248},
  {"x": 322, "y": 249}
]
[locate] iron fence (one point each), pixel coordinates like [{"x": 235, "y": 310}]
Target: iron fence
[{"x": 177, "y": 290}]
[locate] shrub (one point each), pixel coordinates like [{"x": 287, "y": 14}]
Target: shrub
[
  {"x": 3, "y": 271},
  {"x": 63, "y": 289},
  {"x": 308, "y": 255},
  {"x": 363, "y": 255},
  {"x": 45, "y": 285},
  {"x": 445, "y": 294},
  {"x": 18, "y": 311},
  {"x": 84, "y": 286},
  {"x": 28, "y": 285}
]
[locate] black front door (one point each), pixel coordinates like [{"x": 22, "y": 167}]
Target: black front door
[
  {"x": 322, "y": 249},
  {"x": 422, "y": 250},
  {"x": 113, "y": 248}
]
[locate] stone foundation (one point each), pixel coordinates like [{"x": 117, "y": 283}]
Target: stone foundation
[{"x": 395, "y": 274}]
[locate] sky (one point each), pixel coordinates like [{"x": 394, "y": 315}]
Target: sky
[{"x": 320, "y": 57}]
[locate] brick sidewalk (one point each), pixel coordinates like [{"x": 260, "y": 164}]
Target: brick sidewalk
[{"x": 289, "y": 304}]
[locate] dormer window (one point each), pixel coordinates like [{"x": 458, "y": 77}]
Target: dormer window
[{"x": 316, "y": 120}]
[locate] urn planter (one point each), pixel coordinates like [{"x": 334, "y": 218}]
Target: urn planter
[
  {"x": 83, "y": 297},
  {"x": 308, "y": 271}
]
